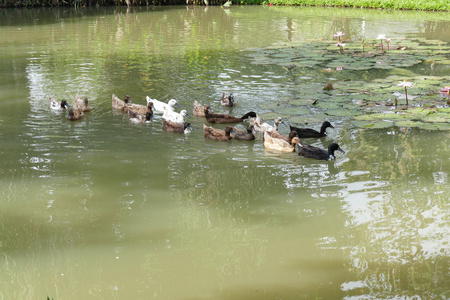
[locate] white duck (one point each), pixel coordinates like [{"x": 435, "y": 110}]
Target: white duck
[
  {"x": 258, "y": 126},
  {"x": 56, "y": 105},
  {"x": 160, "y": 106},
  {"x": 173, "y": 116}
]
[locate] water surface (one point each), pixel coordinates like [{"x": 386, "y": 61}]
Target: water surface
[{"x": 104, "y": 209}]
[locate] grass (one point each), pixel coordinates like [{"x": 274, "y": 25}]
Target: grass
[{"x": 437, "y": 5}]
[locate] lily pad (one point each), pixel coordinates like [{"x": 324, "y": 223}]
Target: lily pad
[
  {"x": 373, "y": 125},
  {"x": 343, "y": 112}
]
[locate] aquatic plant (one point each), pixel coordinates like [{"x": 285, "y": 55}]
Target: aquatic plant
[
  {"x": 387, "y": 40},
  {"x": 381, "y": 37},
  {"x": 338, "y": 35},
  {"x": 405, "y": 84},
  {"x": 446, "y": 91},
  {"x": 341, "y": 47}
]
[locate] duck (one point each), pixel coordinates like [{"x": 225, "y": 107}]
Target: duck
[
  {"x": 116, "y": 103},
  {"x": 74, "y": 114},
  {"x": 227, "y": 100},
  {"x": 225, "y": 118},
  {"x": 174, "y": 116},
  {"x": 259, "y": 127},
  {"x": 198, "y": 110},
  {"x": 218, "y": 134},
  {"x": 160, "y": 106},
  {"x": 137, "y": 118},
  {"x": 82, "y": 104},
  {"x": 139, "y": 108},
  {"x": 277, "y": 135},
  {"x": 309, "y": 151},
  {"x": 55, "y": 105},
  {"x": 244, "y": 135},
  {"x": 311, "y": 133},
  {"x": 279, "y": 145},
  {"x": 184, "y": 127}
]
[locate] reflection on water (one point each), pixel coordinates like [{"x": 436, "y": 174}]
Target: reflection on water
[{"x": 101, "y": 208}]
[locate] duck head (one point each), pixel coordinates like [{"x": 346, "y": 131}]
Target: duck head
[
  {"x": 64, "y": 104},
  {"x": 332, "y": 148},
  {"x": 127, "y": 99},
  {"x": 184, "y": 113},
  {"x": 231, "y": 100},
  {"x": 149, "y": 116},
  {"x": 173, "y": 102},
  {"x": 295, "y": 140},
  {"x": 278, "y": 121}
]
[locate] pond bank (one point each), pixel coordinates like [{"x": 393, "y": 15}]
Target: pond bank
[{"x": 431, "y": 5}]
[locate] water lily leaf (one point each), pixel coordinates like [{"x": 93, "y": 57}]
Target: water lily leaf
[
  {"x": 272, "y": 116},
  {"x": 270, "y": 105},
  {"x": 293, "y": 111},
  {"x": 373, "y": 125},
  {"x": 302, "y": 102},
  {"x": 307, "y": 120},
  {"x": 343, "y": 112}
]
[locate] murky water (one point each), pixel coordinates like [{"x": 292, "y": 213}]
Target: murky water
[{"x": 105, "y": 209}]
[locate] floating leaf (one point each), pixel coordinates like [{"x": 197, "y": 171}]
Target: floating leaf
[{"x": 373, "y": 125}]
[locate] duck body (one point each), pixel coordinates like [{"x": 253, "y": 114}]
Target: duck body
[
  {"x": 119, "y": 104},
  {"x": 309, "y": 151},
  {"x": 280, "y": 145},
  {"x": 82, "y": 104},
  {"x": 56, "y": 105},
  {"x": 225, "y": 118},
  {"x": 198, "y": 110},
  {"x": 136, "y": 118},
  {"x": 244, "y": 135},
  {"x": 74, "y": 114},
  {"x": 139, "y": 108},
  {"x": 217, "y": 134},
  {"x": 161, "y": 107},
  {"x": 260, "y": 127},
  {"x": 311, "y": 133},
  {"x": 227, "y": 100},
  {"x": 177, "y": 127},
  {"x": 277, "y": 135},
  {"x": 175, "y": 117}
]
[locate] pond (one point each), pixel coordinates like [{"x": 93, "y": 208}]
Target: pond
[{"x": 101, "y": 208}]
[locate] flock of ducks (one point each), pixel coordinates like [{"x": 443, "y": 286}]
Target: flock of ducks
[{"x": 175, "y": 122}]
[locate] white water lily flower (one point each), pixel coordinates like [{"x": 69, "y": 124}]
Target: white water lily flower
[
  {"x": 405, "y": 84},
  {"x": 381, "y": 37},
  {"x": 339, "y": 34},
  {"x": 340, "y": 45}
]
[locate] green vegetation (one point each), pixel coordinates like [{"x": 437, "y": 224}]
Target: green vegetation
[
  {"x": 442, "y": 5},
  {"x": 370, "y": 103}
]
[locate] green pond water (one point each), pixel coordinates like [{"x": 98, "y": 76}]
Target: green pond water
[{"x": 104, "y": 209}]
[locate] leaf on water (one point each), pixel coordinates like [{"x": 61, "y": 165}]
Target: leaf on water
[{"x": 373, "y": 125}]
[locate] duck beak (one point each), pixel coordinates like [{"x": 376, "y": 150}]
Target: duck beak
[
  {"x": 187, "y": 115},
  {"x": 340, "y": 149},
  {"x": 177, "y": 105},
  {"x": 192, "y": 128},
  {"x": 282, "y": 122}
]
